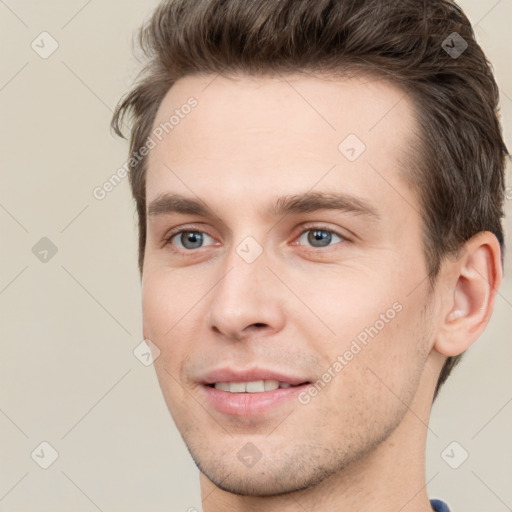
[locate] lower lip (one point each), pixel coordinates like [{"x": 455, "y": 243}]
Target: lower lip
[{"x": 250, "y": 404}]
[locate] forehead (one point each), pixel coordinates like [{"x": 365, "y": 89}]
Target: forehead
[{"x": 282, "y": 132}]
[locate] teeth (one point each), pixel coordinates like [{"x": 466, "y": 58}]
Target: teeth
[
  {"x": 270, "y": 385},
  {"x": 237, "y": 387},
  {"x": 256, "y": 386}
]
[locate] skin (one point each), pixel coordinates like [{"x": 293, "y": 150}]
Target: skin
[{"x": 359, "y": 444}]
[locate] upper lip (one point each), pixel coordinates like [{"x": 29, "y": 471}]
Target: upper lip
[{"x": 249, "y": 375}]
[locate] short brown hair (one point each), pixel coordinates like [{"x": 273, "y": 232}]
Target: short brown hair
[{"x": 459, "y": 162}]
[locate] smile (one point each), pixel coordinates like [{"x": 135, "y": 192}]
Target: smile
[{"x": 255, "y": 386}]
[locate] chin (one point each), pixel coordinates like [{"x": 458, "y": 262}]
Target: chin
[
  {"x": 270, "y": 477},
  {"x": 262, "y": 483}
]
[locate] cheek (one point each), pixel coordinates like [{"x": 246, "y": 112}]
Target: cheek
[
  {"x": 396, "y": 357},
  {"x": 382, "y": 343},
  {"x": 154, "y": 298},
  {"x": 168, "y": 313},
  {"x": 333, "y": 304},
  {"x": 162, "y": 309},
  {"x": 164, "y": 301},
  {"x": 376, "y": 387},
  {"x": 160, "y": 318}
]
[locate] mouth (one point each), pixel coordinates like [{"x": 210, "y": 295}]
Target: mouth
[
  {"x": 254, "y": 386},
  {"x": 251, "y": 393}
]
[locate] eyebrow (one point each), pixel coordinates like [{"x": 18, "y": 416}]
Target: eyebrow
[{"x": 292, "y": 204}]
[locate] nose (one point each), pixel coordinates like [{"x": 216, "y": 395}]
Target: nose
[{"x": 246, "y": 301}]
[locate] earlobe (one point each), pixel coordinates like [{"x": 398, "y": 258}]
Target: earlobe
[{"x": 473, "y": 283}]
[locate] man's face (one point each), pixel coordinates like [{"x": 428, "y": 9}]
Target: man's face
[{"x": 300, "y": 295}]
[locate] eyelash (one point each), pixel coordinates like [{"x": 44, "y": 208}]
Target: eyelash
[{"x": 196, "y": 229}]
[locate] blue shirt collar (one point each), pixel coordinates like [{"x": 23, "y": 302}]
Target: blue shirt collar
[{"x": 439, "y": 506}]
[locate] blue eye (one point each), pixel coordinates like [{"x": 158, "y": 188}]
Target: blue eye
[
  {"x": 190, "y": 239},
  {"x": 320, "y": 237},
  {"x": 315, "y": 237}
]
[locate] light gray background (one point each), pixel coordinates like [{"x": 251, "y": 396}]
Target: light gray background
[{"x": 69, "y": 325}]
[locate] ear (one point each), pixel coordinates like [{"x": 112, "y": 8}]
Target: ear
[{"x": 471, "y": 286}]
